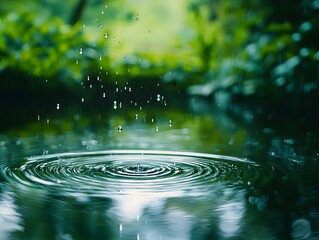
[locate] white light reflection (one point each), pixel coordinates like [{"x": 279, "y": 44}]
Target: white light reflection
[
  {"x": 9, "y": 218},
  {"x": 129, "y": 206},
  {"x": 231, "y": 215}
]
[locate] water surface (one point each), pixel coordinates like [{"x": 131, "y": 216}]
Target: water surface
[{"x": 193, "y": 173}]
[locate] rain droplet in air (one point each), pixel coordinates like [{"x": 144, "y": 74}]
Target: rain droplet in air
[
  {"x": 58, "y": 106},
  {"x": 81, "y": 51},
  {"x": 105, "y": 35},
  {"x": 104, "y": 95},
  {"x": 82, "y": 100},
  {"x": 158, "y": 97},
  {"x": 115, "y": 105},
  {"x": 170, "y": 123},
  {"x": 156, "y": 129},
  {"x": 120, "y": 129}
]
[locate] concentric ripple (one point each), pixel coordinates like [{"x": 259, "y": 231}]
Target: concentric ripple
[{"x": 114, "y": 172}]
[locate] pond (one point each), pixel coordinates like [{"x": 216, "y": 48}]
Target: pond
[{"x": 151, "y": 171}]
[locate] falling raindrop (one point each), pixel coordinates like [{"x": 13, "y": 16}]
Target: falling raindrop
[
  {"x": 101, "y": 25},
  {"x": 136, "y": 116},
  {"x": 170, "y": 123},
  {"x": 83, "y": 25},
  {"x": 121, "y": 227},
  {"x": 120, "y": 129},
  {"x": 58, "y": 106},
  {"x": 38, "y": 117},
  {"x": 156, "y": 129},
  {"x": 115, "y": 105},
  {"x": 102, "y": 12},
  {"x": 104, "y": 95},
  {"x": 158, "y": 97},
  {"x": 105, "y": 35},
  {"x": 82, "y": 100},
  {"x": 81, "y": 51}
]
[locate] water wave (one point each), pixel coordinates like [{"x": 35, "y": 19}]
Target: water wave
[{"x": 121, "y": 171}]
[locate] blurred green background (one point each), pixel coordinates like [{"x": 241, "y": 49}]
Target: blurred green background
[{"x": 256, "y": 52}]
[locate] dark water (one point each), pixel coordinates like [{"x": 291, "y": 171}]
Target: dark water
[{"x": 189, "y": 173}]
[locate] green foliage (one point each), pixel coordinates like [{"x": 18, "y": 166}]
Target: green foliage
[
  {"x": 45, "y": 48},
  {"x": 248, "y": 50}
]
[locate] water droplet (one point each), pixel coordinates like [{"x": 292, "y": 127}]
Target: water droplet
[
  {"x": 82, "y": 100},
  {"x": 138, "y": 169},
  {"x": 121, "y": 227},
  {"x": 48, "y": 120},
  {"x": 88, "y": 78},
  {"x": 115, "y": 105},
  {"x": 104, "y": 95},
  {"x": 105, "y": 35},
  {"x": 101, "y": 25},
  {"x": 158, "y": 98},
  {"x": 58, "y": 106},
  {"x": 136, "y": 116},
  {"x": 120, "y": 129},
  {"x": 105, "y": 6},
  {"x": 156, "y": 129},
  {"x": 152, "y": 120},
  {"x": 81, "y": 51},
  {"x": 102, "y": 12},
  {"x": 77, "y": 62},
  {"x": 83, "y": 25},
  {"x": 170, "y": 123}
]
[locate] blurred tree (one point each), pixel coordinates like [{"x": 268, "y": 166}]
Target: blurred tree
[{"x": 77, "y": 12}]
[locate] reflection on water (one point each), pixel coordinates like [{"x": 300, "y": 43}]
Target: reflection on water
[{"x": 171, "y": 175}]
